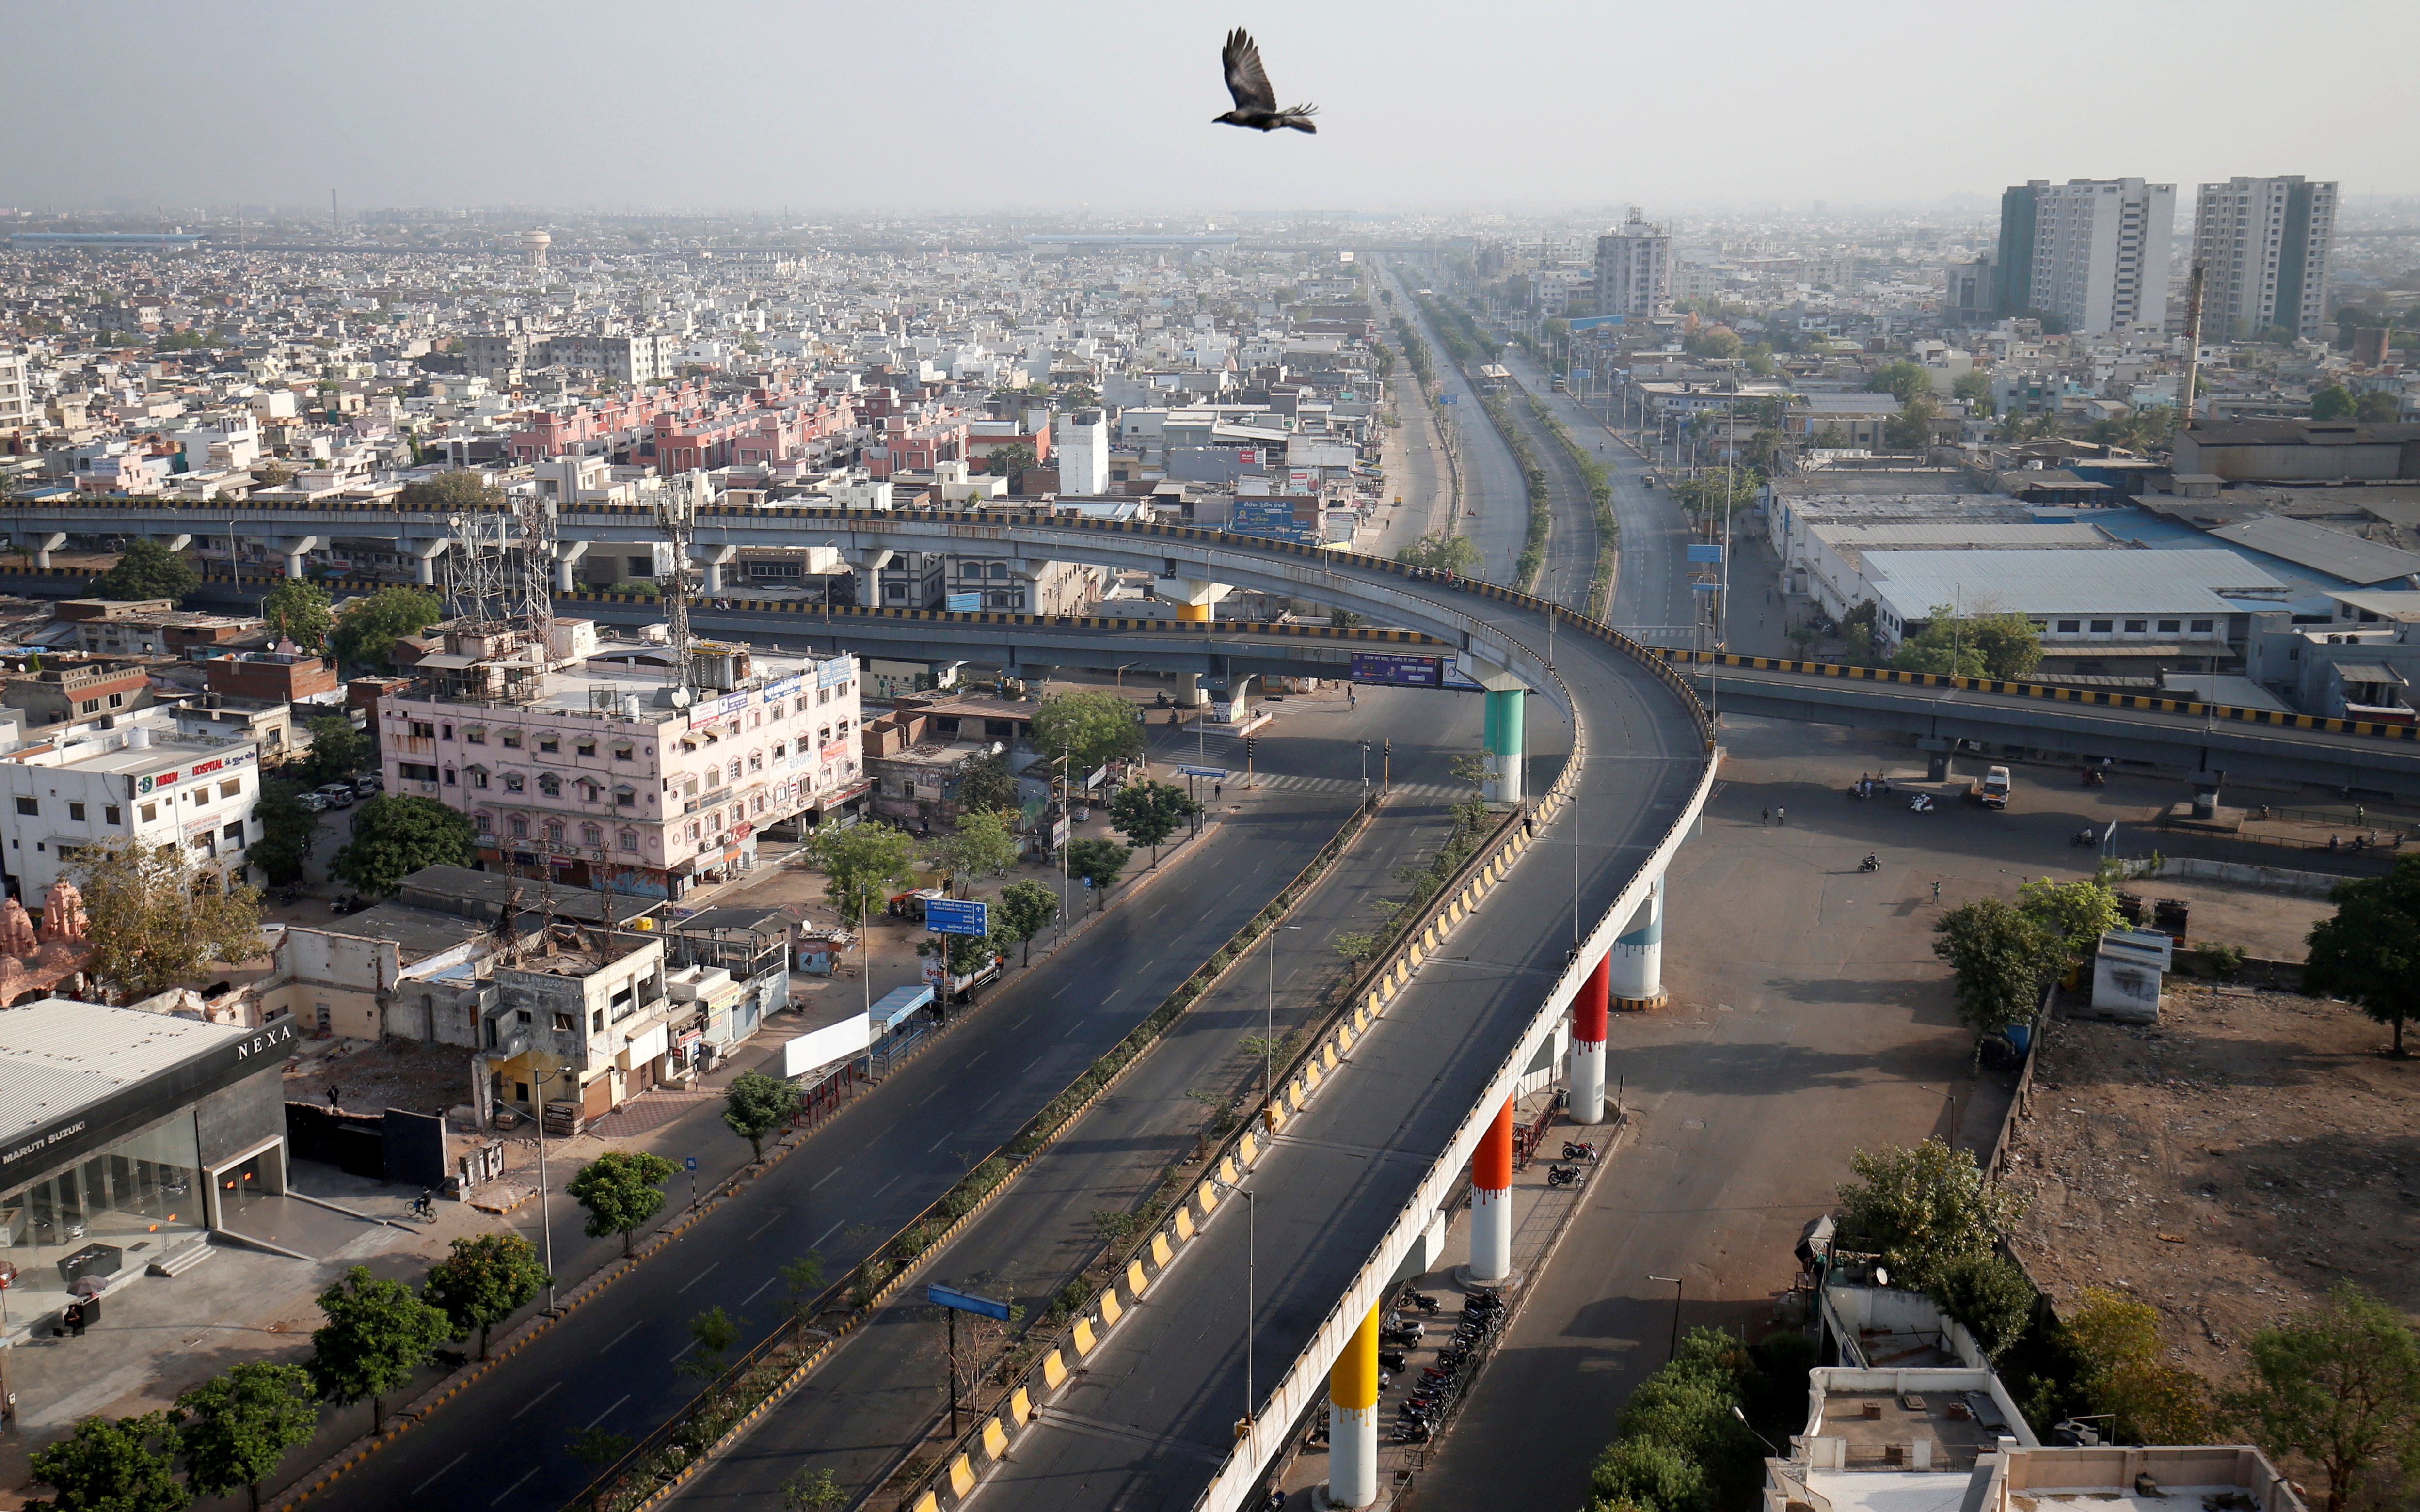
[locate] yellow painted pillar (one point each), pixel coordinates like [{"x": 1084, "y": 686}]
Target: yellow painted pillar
[
  {"x": 1352, "y": 1419},
  {"x": 1194, "y": 613}
]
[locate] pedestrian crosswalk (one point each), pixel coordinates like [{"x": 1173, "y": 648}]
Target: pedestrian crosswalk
[{"x": 1284, "y": 783}]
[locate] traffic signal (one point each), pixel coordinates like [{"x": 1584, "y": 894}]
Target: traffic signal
[{"x": 1252, "y": 744}]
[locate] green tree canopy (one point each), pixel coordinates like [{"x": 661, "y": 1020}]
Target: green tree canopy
[
  {"x": 1719, "y": 491},
  {"x": 2377, "y": 407},
  {"x": 1999, "y": 956},
  {"x": 2334, "y": 402},
  {"x": 1991, "y": 1297},
  {"x": 286, "y": 832},
  {"x": 984, "y": 841},
  {"x": 297, "y": 610},
  {"x": 2338, "y": 1386},
  {"x": 1975, "y": 387},
  {"x": 483, "y": 1281},
  {"x": 1922, "y": 1207},
  {"x": 156, "y": 922},
  {"x": 714, "y": 1332},
  {"x": 396, "y": 835},
  {"x": 234, "y": 1430},
  {"x": 755, "y": 1104},
  {"x": 2117, "y": 1340},
  {"x": 2004, "y": 646},
  {"x": 985, "y": 782},
  {"x": 1901, "y": 380},
  {"x": 111, "y": 1465},
  {"x": 365, "y": 632},
  {"x": 1099, "y": 863},
  {"x": 457, "y": 490},
  {"x": 1147, "y": 814},
  {"x": 338, "y": 749},
  {"x": 1026, "y": 909},
  {"x": 1911, "y": 429},
  {"x": 375, "y": 1335},
  {"x": 147, "y": 569},
  {"x": 1089, "y": 726},
  {"x": 622, "y": 1190},
  {"x": 2075, "y": 914},
  {"x": 1010, "y": 460},
  {"x": 861, "y": 865},
  {"x": 1439, "y": 552},
  {"x": 2368, "y": 952}
]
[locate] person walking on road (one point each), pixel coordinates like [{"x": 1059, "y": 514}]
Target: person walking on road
[
  {"x": 1781, "y": 816},
  {"x": 1766, "y": 819},
  {"x": 1936, "y": 893}
]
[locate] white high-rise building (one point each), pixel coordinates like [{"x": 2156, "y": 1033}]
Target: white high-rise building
[
  {"x": 1634, "y": 271},
  {"x": 1082, "y": 441},
  {"x": 2092, "y": 252},
  {"x": 17, "y": 411},
  {"x": 2263, "y": 245}
]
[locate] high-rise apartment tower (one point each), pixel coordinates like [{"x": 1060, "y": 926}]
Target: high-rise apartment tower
[
  {"x": 2263, "y": 244},
  {"x": 2091, "y": 253}
]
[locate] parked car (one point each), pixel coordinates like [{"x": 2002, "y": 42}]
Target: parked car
[
  {"x": 335, "y": 794},
  {"x": 369, "y": 784},
  {"x": 313, "y": 802}
]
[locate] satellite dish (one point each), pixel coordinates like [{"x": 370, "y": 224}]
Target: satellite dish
[{"x": 680, "y": 698}]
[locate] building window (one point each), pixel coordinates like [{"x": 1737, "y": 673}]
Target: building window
[
  {"x": 621, "y": 753},
  {"x": 735, "y": 768},
  {"x": 2069, "y": 626},
  {"x": 2137, "y": 626},
  {"x": 2171, "y": 626},
  {"x": 630, "y": 840},
  {"x": 449, "y": 777},
  {"x": 422, "y": 730},
  {"x": 2203, "y": 626},
  {"x": 478, "y": 775},
  {"x": 444, "y": 732},
  {"x": 755, "y": 761},
  {"x": 33, "y": 806},
  {"x": 625, "y": 796},
  {"x": 586, "y": 747},
  {"x": 780, "y": 749},
  {"x": 233, "y": 833},
  {"x": 519, "y": 826},
  {"x": 514, "y": 782},
  {"x": 475, "y": 734},
  {"x": 555, "y": 832},
  {"x": 512, "y": 740},
  {"x": 486, "y": 823},
  {"x": 565, "y": 1024},
  {"x": 109, "y": 814},
  {"x": 2102, "y": 626},
  {"x": 90, "y": 706},
  {"x": 548, "y": 744},
  {"x": 550, "y": 784},
  {"x": 592, "y": 834},
  {"x": 75, "y": 810},
  {"x": 229, "y": 790},
  {"x": 151, "y": 810},
  {"x": 117, "y": 700}
]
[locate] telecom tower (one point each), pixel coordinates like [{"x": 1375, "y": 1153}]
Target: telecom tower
[{"x": 676, "y": 505}]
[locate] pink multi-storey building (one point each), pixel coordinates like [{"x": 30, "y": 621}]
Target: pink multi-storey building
[{"x": 614, "y": 778}]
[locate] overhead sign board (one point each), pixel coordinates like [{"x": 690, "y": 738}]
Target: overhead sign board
[
  {"x": 957, "y": 916},
  {"x": 965, "y": 1301},
  {"x": 963, "y": 603},
  {"x": 1298, "y": 534},
  {"x": 1215, "y": 774},
  {"x": 1705, "y": 552},
  {"x": 1396, "y": 670}
]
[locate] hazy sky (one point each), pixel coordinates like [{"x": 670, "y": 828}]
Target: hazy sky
[{"x": 1516, "y": 104}]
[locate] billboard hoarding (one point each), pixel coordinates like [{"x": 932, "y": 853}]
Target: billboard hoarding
[{"x": 1395, "y": 671}]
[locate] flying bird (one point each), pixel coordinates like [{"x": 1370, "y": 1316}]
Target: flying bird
[{"x": 1256, "y": 102}]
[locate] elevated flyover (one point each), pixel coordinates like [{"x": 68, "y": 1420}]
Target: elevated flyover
[{"x": 2202, "y": 743}]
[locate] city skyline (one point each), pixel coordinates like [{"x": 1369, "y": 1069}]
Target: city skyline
[{"x": 1093, "y": 108}]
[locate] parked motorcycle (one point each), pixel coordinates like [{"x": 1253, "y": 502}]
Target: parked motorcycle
[
  {"x": 1871, "y": 863},
  {"x": 1562, "y": 1175},
  {"x": 1579, "y": 1149},
  {"x": 1921, "y": 803},
  {"x": 1418, "y": 1298}
]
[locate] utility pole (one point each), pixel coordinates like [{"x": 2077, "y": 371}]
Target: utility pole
[{"x": 2192, "y": 349}]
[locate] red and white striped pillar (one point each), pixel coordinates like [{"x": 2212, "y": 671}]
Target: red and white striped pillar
[
  {"x": 1352, "y": 1419},
  {"x": 1491, "y": 1202},
  {"x": 1585, "y": 1077}
]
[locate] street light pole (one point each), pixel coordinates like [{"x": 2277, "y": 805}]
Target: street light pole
[
  {"x": 1269, "y": 1031},
  {"x": 1673, "y": 1351}
]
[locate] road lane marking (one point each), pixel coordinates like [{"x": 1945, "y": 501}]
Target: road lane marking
[
  {"x": 684, "y": 1350},
  {"x": 777, "y": 1214},
  {"x": 885, "y": 1186},
  {"x": 515, "y": 1486},
  {"x": 760, "y": 1290},
  {"x": 619, "y": 1337},
  {"x": 603, "y": 1415},
  {"x": 825, "y": 1177},
  {"x": 449, "y": 1464},
  {"x": 937, "y": 1144},
  {"x": 971, "y": 1060},
  {"x": 827, "y": 1234},
  {"x": 539, "y": 1397},
  {"x": 695, "y": 1279}
]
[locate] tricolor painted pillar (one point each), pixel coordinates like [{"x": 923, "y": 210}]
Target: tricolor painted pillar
[
  {"x": 1587, "y": 1076},
  {"x": 1352, "y": 1419},
  {"x": 1503, "y": 738},
  {"x": 1638, "y": 977},
  {"x": 1491, "y": 1202}
]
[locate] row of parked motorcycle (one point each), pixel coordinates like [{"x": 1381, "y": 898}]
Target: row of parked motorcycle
[
  {"x": 1576, "y": 1151},
  {"x": 1440, "y": 1383}
]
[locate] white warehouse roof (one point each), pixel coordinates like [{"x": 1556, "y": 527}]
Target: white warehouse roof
[{"x": 2070, "y": 583}]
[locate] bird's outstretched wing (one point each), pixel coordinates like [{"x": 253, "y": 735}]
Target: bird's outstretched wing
[{"x": 1246, "y": 79}]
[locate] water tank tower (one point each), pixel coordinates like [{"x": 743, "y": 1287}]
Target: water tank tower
[{"x": 534, "y": 245}]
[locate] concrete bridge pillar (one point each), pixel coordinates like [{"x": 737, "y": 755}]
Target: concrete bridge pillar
[
  {"x": 43, "y": 543},
  {"x": 714, "y": 559},
  {"x": 566, "y": 555},
  {"x": 1491, "y": 1202},
  {"x": 425, "y": 554},
  {"x": 1637, "y": 960},
  {"x": 1189, "y": 690},
  {"x": 1503, "y": 740},
  {"x": 173, "y": 540},
  {"x": 1194, "y": 597},
  {"x": 296, "y": 548},
  {"x": 1586, "y": 1078},
  {"x": 1353, "y": 1418}
]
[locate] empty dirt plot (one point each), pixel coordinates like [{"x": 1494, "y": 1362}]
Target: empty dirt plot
[{"x": 2226, "y": 1166}]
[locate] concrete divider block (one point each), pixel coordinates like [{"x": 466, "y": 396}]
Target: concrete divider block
[
  {"x": 1136, "y": 1281},
  {"x": 1086, "y": 1342},
  {"x": 995, "y": 1438},
  {"x": 1160, "y": 1253},
  {"x": 1248, "y": 1148},
  {"x": 962, "y": 1477},
  {"x": 929, "y": 1502},
  {"x": 1110, "y": 1308},
  {"x": 1208, "y": 1196},
  {"x": 1054, "y": 1370},
  {"x": 1227, "y": 1169},
  {"x": 1020, "y": 1405}
]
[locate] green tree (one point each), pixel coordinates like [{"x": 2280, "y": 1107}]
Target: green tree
[
  {"x": 1911, "y": 429},
  {"x": 156, "y": 922},
  {"x": 1147, "y": 814},
  {"x": 377, "y": 1334},
  {"x": 299, "y": 611},
  {"x": 713, "y": 1332},
  {"x": 2334, "y": 402},
  {"x": 365, "y": 629},
  {"x": 1088, "y": 726},
  {"x": 1719, "y": 491},
  {"x": 339, "y": 749},
  {"x": 458, "y": 489},
  {"x": 2150, "y": 1401},
  {"x": 2338, "y": 1386},
  {"x": 1975, "y": 387},
  {"x": 2075, "y": 914},
  {"x": 2377, "y": 407},
  {"x": 755, "y": 1104},
  {"x": 396, "y": 835},
  {"x": 986, "y": 783},
  {"x": 2368, "y": 952},
  {"x": 485, "y": 1280},
  {"x": 1008, "y": 461},
  {"x": 802, "y": 1282},
  {"x": 1999, "y": 957},
  {"x": 1648, "y": 1476},
  {"x": 1922, "y": 1207},
  {"x": 812, "y": 1491},
  {"x": 597, "y": 1447},
  {"x": 1026, "y": 909},
  {"x": 1098, "y": 863},
  {"x": 1903, "y": 381},
  {"x": 1993, "y": 1297},
  {"x": 286, "y": 832},
  {"x": 233, "y": 1429},
  {"x": 983, "y": 841},
  {"x": 621, "y": 1189},
  {"x": 1439, "y": 552},
  {"x": 147, "y": 569},
  {"x": 861, "y": 865},
  {"x": 111, "y": 1465}
]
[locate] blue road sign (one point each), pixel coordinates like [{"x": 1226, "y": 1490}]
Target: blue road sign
[
  {"x": 1394, "y": 671},
  {"x": 963, "y": 603},
  {"x": 1706, "y": 552},
  {"x": 1215, "y": 774},
  {"x": 965, "y": 1301},
  {"x": 957, "y": 916},
  {"x": 691, "y": 1163}
]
